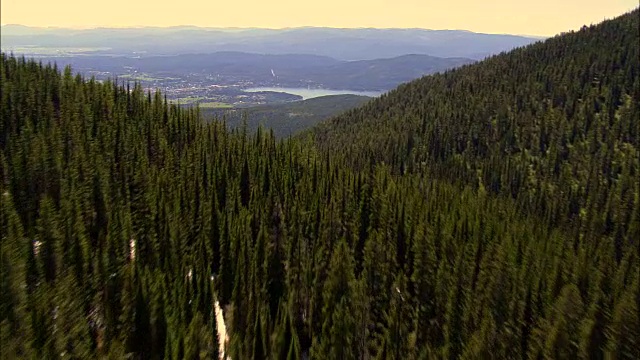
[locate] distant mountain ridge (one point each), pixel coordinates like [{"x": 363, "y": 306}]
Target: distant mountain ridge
[
  {"x": 343, "y": 44},
  {"x": 286, "y": 69}
]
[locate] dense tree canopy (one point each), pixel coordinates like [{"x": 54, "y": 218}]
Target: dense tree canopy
[{"x": 487, "y": 212}]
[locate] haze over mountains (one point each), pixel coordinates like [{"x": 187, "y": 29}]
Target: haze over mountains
[
  {"x": 342, "y": 44},
  {"x": 291, "y": 70},
  {"x": 214, "y": 65}
]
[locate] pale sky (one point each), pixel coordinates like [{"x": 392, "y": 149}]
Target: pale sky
[{"x": 530, "y": 17}]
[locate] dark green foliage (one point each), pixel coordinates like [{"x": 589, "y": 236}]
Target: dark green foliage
[
  {"x": 488, "y": 212},
  {"x": 553, "y": 125},
  {"x": 287, "y": 118}
]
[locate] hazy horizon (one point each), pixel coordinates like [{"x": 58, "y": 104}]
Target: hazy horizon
[
  {"x": 238, "y": 28},
  {"x": 495, "y": 17}
]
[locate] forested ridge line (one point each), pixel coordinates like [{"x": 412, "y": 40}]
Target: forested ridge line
[
  {"x": 553, "y": 125},
  {"x": 125, "y": 218}
]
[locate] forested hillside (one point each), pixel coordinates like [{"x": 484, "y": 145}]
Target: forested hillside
[
  {"x": 488, "y": 212},
  {"x": 288, "y": 118},
  {"x": 554, "y": 125}
]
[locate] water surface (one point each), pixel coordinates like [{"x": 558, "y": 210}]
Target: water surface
[{"x": 312, "y": 93}]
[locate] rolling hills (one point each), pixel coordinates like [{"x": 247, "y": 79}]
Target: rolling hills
[
  {"x": 343, "y": 44},
  {"x": 290, "y": 70}
]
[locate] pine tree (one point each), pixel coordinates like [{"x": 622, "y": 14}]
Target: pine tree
[
  {"x": 336, "y": 341},
  {"x": 624, "y": 331}
]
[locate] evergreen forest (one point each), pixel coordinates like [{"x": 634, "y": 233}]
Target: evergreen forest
[{"x": 487, "y": 212}]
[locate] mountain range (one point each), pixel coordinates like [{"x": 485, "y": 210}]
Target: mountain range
[
  {"x": 342, "y": 44},
  {"x": 289, "y": 69}
]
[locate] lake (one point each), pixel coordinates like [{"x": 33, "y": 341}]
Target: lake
[{"x": 313, "y": 93}]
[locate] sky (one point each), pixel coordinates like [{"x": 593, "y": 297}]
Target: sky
[{"x": 537, "y": 17}]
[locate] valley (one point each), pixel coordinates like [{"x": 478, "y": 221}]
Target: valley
[{"x": 238, "y": 80}]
